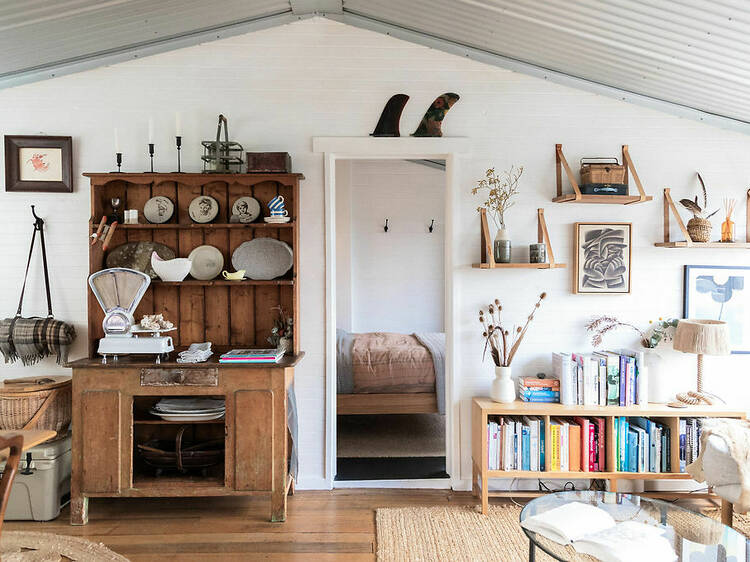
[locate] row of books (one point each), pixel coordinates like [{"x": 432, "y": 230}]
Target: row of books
[
  {"x": 690, "y": 441},
  {"x": 252, "y": 356},
  {"x": 642, "y": 445},
  {"x": 577, "y": 444},
  {"x": 515, "y": 443},
  {"x": 601, "y": 378}
]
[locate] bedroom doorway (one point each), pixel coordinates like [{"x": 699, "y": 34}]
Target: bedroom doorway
[{"x": 390, "y": 320}]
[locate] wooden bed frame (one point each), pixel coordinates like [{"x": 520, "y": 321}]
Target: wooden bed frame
[{"x": 408, "y": 403}]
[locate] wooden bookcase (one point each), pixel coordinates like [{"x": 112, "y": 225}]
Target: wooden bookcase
[
  {"x": 226, "y": 313},
  {"x": 482, "y": 407}
]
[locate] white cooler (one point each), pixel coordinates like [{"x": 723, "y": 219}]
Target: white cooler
[{"x": 38, "y": 496}]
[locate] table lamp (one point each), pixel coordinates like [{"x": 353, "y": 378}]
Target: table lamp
[{"x": 702, "y": 337}]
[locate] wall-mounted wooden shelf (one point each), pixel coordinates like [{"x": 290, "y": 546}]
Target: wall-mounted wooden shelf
[
  {"x": 578, "y": 197},
  {"x": 669, "y": 207},
  {"x": 488, "y": 255},
  {"x": 197, "y": 226},
  {"x": 221, "y": 282}
]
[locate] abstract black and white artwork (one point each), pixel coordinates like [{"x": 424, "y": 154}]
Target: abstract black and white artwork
[
  {"x": 720, "y": 292},
  {"x": 602, "y": 258}
]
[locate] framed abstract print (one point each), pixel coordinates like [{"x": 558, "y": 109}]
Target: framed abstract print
[
  {"x": 720, "y": 292},
  {"x": 602, "y": 258},
  {"x": 38, "y": 164}
]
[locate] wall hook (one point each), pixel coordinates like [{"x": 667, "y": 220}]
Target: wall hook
[
  {"x": 39, "y": 222},
  {"x": 432, "y": 225},
  {"x": 385, "y": 228}
]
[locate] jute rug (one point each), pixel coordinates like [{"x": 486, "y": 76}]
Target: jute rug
[
  {"x": 461, "y": 533},
  {"x": 22, "y": 546}
]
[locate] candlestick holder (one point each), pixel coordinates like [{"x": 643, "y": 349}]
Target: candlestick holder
[
  {"x": 118, "y": 160},
  {"x": 151, "y": 156},
  {"x": 178, "y": 142}
]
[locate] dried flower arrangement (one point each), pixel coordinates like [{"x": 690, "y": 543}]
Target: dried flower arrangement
[
  {"x": 502, "y": 343},
  {"x": 283, "y": 327},
  {"x": 500, "y": 191},
  {"x": 660, "y": 331},
  {"x": 693, "y": 207}
]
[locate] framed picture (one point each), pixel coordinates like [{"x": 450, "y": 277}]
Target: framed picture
[
  {"x": 720, "y": 292},
  {"x": 602, "y": 258},
  {"x": 38, "y": 163}
]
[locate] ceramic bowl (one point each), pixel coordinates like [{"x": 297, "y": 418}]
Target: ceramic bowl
[
  {"x": 170, "y": 270},
  {"x": 236, "y": 276}
]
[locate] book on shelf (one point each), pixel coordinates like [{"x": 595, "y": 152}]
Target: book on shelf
[
  {"x": 642, "y": 445},
  {"x": 515, "y": 443},
  {"x": 252, "y": 356}
]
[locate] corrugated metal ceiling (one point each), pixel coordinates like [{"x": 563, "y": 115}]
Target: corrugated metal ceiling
[{"x": 692, "y": 54}]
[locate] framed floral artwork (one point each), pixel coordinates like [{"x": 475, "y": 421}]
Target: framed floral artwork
[
  {"x": 602, "y": 258},
  {"x": 38, "y": 163}
]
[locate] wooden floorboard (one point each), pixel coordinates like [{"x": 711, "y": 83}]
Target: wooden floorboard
[{"x": 321, "y": 525}]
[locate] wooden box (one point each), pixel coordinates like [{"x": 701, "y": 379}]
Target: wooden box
[
  {"x": 602, "y": 170},
  {"x": 265, "y": 162}
]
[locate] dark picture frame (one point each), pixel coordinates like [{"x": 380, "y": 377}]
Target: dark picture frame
[
  {"x": 15, "y": 145},
  {"x": 597, "y": 245},
  {"x": 726, "y": 298}
]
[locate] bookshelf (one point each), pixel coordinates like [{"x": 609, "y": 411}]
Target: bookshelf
[{"x": 483, "y": 407}]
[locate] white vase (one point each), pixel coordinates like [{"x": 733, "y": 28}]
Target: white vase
[
  {"x": 502, "y": 246},
  {"x": 502, "y": 389},
  {"x": 661, "y": 377},
  {"x": 285, "y": 345}
]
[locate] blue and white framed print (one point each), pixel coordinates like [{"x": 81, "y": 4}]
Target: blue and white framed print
[{"x": 720, "y": 292}]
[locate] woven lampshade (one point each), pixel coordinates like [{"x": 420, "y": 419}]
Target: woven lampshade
[{"x": 707, "y": 337}]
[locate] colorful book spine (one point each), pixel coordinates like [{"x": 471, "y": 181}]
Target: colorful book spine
[
  {"x": 554, "y": 446},
  {"x": 613, "y": 379}
]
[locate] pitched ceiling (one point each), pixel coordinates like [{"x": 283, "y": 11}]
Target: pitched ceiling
[{"x": 690, "y": 57}]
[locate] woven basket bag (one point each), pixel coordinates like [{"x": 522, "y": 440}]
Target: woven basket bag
[{"x": 36, "y": 403}]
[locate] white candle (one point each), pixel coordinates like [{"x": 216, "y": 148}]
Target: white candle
[
  {"x": 150, "y": 130},
  {"x": 178, "y": 124},
  {"x": 117, "y": 141}
]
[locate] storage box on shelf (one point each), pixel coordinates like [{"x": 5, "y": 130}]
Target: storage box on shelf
[
  {"x": 483, "y": 408},
  {"x": 111, "y": 402}
]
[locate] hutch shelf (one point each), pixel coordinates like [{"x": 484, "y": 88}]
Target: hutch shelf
[
  {"x": 578, "y": 197},
  {"x": 671, "y": 208},
  {"x": 111, "y": 402},
  {"x": 482, "y": 408}
]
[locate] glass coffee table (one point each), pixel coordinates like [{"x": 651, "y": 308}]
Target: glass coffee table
[{"x": 693, "y": 535}]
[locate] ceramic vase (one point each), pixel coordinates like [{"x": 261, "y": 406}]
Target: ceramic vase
[
  {"x": 502, "y": 246},
  {"x": 660, "y": 391},
  {"x": 502, "y": 389}
]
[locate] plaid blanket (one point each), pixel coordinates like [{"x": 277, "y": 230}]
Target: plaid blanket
[{"x": 33, "y": 339}]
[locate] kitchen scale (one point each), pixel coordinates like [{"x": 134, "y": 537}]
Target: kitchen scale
[{"x": 119, "y": 291}]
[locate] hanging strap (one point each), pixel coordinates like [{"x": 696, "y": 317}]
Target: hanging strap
[{"x": 38, "y": 227}]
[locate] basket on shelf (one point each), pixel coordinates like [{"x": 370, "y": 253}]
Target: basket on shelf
[
  {"x": 699, "y": 229},
  {"x": 36, "y": 403},
  {"x": 162, "y": 454}
]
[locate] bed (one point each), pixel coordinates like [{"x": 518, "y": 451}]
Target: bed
[{"x": 387, "y": 373}]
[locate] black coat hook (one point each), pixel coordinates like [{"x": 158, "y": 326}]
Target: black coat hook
[
  {"x": 39, "y": 222},
  {"x": 432, "y": 225},
  {"x": 385, "y": 228}
]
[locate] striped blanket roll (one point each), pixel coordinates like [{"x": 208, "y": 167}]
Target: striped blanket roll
[{"x": 33, "y": 339}]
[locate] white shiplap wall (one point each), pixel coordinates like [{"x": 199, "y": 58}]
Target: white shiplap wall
[{"x": 281, "y": 87}]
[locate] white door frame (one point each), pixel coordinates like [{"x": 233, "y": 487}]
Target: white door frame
[{"x": 407, "y": 148}]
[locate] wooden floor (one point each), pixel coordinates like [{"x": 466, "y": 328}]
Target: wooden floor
[{"x": 321, "y": 525}]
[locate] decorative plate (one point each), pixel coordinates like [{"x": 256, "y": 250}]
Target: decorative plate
[
  {"x": 278, "y": 220},
  {"x": 208, "y": 262},
  {"x": 158, "y": 209},
  {"x": 263, "y": 258},
  {"x": 203, "y": 208},
  {"x": 189, "y": 417},
  {"x": 246, "y": 209},
  {"x": 137, "y": 255}
]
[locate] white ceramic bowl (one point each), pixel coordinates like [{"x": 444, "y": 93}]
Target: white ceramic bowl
[{"x": 171, "y": 270}]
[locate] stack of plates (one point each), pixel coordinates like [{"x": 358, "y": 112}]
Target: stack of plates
[
  {"x": 189, "y": 409},
  {"x": 276, "y": 219}
]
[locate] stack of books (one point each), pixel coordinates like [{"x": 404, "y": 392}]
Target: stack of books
[
  {"x": 690, "y": 441},
  {"x": 252, "y": 356},
  {"x": 533, "y": 389},
  {"x": 577, "y": 444},
  {"x": 642, "y": 445},
  {"x": 601, "y": 379},
  {"x": 515, "y": 443}
]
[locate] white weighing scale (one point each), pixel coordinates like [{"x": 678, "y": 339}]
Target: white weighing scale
[{"x": 119, "y": 291}]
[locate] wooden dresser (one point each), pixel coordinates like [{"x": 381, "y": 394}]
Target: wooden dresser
[{"x": 111, "y": 402}]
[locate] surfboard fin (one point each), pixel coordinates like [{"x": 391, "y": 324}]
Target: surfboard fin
[
  {"x": 389, "y": 120},
  {"x": 430, "y": 126}
]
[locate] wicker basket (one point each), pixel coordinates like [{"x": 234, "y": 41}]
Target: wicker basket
[
  {"x": 699, "y": 229},
  {"x": 610, "y": 171},
  {"x": 36, "y": 403}
]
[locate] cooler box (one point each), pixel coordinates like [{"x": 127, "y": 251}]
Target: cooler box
[{"x": 39, "y": 494}]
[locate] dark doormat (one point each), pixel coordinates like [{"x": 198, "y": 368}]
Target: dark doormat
[{"x": 390, "y": 468}]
